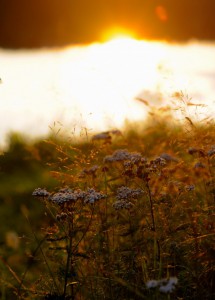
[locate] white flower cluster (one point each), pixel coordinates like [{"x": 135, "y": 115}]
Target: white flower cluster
[
  {"x": 101, "y": 136},
  {"x": 67, "y": 195},
  {"x": 159, "y": 161},
  {"x": 40, "y": 193},
  {"x": 166, "y": 285},
  {"x": 65, "y": 190},
  {"x": 92, "y": 196},
  {"x": 118, "y": 155},
  {"x": 126, "y": 193},
  {"x": 63, "y": 197},
  {"x": 120, "y": 204},
  {"x": 106, "y": 135},
  {"x": 135, "y": 157},
  {"x": 123, "y": 155}
]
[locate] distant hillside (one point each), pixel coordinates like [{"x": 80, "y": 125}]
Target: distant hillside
[{"x": 30, "y": 23}]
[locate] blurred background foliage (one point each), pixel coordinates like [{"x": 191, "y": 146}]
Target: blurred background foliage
[{"x": 23, "y": 167}]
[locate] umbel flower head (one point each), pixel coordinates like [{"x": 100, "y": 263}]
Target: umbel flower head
[
  {"x": 102, "y": 136},
  {"x": 127, "y": 193},
  {"x": 61, "y": 197},
  {"x": 120, "y": 204},
  {"x": 92, "y": 196},
  {"x": 40, "y": 193},
  {"x": 123, "y": 155},
  {"x": 106, "y": 136},
  {"x": 124, "y": 195},
  {"x": 166, "y": 285},
  {"x": 66, "y": 195},
  {"x": 118, "y": 155}
]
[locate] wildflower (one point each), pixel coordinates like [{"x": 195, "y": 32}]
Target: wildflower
[
  {"x": 92, "y": 196},
  {"x": 135, "y": 157},
  {"x": 152, "y": 284},
  {"x": 211, "y": 152},
  {"x": 196, "y": 150},
  {"x": 128, "y": 164},
  {"x": 40, "y": 193},
  {"x": 168, "y": 285},
  {"x": 199, "y": 165},
  {"x": 65, "y": 197},
  {"x": 168, "y": 157},
  {"x": 116, "y": 132},
  {"x": 190, "y": 188},
  {"x": 144, "y": 160},
  {"x": 65, "y": 190},
  {"x": 79, "y": 194},
  {"x": 120, "y": 204},
  {"x": 159, "y": 161},
  {"x": 60, "y": 198},
  {"x": 118, "y": 155},
  {"x": 125, "y": 192},
  {"x": 93, "y": 169},
  {"x": 102, "y": 136},
  {"x": 123, "y": 155}
]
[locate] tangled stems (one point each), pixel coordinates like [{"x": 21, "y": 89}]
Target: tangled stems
[
  {"x": 71, "y": 249},
  {"x": 123, "y": 245}
]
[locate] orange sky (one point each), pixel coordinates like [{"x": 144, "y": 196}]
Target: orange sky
[{"x": 30, "y": 23}]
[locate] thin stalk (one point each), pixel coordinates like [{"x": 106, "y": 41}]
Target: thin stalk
[
  {"x": 157, "y": 245},
  {"x": 151, "y": 207},
  {"x": 69, "y": 259}
]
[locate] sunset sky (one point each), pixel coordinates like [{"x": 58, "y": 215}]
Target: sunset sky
[{"x": 30, "y": 23}]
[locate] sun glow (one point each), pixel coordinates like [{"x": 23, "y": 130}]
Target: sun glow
[{"x": 117, "y": 33}]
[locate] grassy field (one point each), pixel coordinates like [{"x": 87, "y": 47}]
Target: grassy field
[{"x": 117, "y": 215}]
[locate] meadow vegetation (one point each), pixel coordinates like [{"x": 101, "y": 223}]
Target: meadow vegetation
[{"x": 116, "y": 215}]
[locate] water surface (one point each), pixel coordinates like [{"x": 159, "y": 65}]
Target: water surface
[{"x": 95, "y": 86}]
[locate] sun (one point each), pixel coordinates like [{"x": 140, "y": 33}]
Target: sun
[{"x": 117, "y": 33}]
